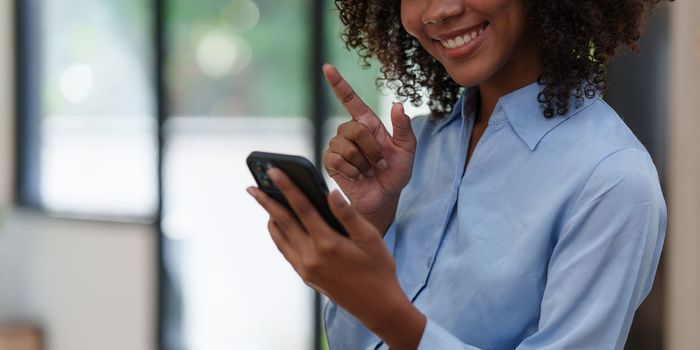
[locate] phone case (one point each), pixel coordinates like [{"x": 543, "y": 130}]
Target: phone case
[{"x": 302, "y": 172}]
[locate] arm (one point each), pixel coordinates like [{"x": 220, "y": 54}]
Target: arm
[{"x": 357, "y": 271}]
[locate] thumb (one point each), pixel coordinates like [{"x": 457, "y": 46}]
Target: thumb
[{"x": 403, "y": 132}]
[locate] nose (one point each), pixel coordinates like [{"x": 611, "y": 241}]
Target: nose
[{"x": 437, "y": 11}]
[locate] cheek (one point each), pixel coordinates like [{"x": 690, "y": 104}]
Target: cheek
[
  {"x": 410, "y": 20},
  {"x": 512, "y": 18},
  {"x": 507, "y": 24}
]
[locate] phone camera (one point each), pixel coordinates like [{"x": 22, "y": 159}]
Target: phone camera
[
  {"x": 260, "y": 169},
  {"x": 267, "y": 183}
]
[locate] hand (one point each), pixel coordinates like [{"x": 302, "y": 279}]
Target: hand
[
  {"x": 356, "y": 272},
  {"x": 370, "y": 166}
]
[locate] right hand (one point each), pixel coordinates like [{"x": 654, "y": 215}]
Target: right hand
[{"x": 370, "y": 166}]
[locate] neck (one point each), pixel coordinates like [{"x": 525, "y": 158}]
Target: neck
[{"x": 523, "y": 69}]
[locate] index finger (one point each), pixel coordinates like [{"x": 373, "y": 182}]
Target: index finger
[
  {"x": 302, "y": 207},
  {"x": 345, "y": 94}
]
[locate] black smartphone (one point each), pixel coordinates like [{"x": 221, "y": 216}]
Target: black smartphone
[{"x": 302, "y": 172}]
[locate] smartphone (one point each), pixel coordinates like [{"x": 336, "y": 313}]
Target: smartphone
[{"x": 302, "y": 172}]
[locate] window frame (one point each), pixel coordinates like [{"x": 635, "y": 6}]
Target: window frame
[
  {"x": 28, "y": 81},
  {"x": 27, "y": 106}
]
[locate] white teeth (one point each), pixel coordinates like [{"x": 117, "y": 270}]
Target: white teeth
[{"x": 461, "y": 40}]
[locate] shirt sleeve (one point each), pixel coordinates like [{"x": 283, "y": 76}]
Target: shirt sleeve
[{"x": 603, "y": 262}]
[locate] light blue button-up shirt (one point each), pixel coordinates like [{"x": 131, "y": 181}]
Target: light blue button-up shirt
[{"x": 549, "y": 239}]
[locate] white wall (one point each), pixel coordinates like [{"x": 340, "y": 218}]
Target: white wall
[{"x": 89, "y": 285}]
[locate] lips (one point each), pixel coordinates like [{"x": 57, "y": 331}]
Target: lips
[
  {"x": 462, "y": 43},
  {"x": 460, "y": 40},
  {"x": 460, "y": 32}
]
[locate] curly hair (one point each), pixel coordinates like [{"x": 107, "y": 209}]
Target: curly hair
[{"x": 575, "y": 39}]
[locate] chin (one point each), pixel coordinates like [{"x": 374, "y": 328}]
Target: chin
[
  {"x": 472, "y": 72},
  {"x": 468, "y": 77}
]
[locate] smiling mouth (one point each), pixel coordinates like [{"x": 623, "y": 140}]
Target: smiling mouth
[{"x": 464, "y": 38}]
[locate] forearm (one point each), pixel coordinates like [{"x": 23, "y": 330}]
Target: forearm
[{"x": 399, "y": 324}]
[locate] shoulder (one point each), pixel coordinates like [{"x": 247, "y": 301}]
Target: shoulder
[
  {"x": 596, "y": 136},
  {"x": 595, "y": 129},
  {"x": 627, "y": 175},
  {"x": 608, "y": 157},
  {"x": 619, "y": 183}
]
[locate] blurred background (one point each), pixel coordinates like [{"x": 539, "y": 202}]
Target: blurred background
[{"x": 124, "y": 126}]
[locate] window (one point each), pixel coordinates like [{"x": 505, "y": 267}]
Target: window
[
  {"x": 236, "y": 82},
  {"x": 94, "y": 137},
  {"x": 238, "y": 76}
]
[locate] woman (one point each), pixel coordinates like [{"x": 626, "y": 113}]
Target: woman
[{"x": 522, "y": 213}]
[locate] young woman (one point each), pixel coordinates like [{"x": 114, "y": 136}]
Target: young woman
[{"x": 522, "y": 213}]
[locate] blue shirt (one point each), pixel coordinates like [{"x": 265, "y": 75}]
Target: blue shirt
[{"x": 549, "y": 239}]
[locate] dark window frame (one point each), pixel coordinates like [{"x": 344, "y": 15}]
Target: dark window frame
[{"x": 27, "y": 107}]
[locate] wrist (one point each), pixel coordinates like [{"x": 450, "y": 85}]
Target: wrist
[{"x": 382, "y": 218}]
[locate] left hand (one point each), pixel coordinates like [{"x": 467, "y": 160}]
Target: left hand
[{"x": 356, "y": 272}]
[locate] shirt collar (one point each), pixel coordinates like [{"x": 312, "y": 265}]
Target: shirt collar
[
  {"x": 521, "y": 108},
  {"x": 464, "y": 108}
]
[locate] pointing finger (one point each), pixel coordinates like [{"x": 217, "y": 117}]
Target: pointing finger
[{"x": 345, "y": 94}]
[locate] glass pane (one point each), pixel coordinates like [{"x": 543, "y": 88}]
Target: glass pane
[
  {"x": 237, "y": 82},
  {"x": 98, "y": 143},
  {"x": 238, "y": 58}
]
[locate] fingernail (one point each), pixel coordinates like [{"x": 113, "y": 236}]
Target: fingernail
[
  {"x": 382, "y": 164},
  {"x": 370, "y": 172},
  {"x": 360, "y": 177},
  {"x": 251, "y": 191},
  {"x": 272, "y": 173},
  {"x": 338, "y": 198}
]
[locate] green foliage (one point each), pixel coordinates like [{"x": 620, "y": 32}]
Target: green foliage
[
  {"x": 276, "y": 82},
  {"x": 324, "y": 340}
]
